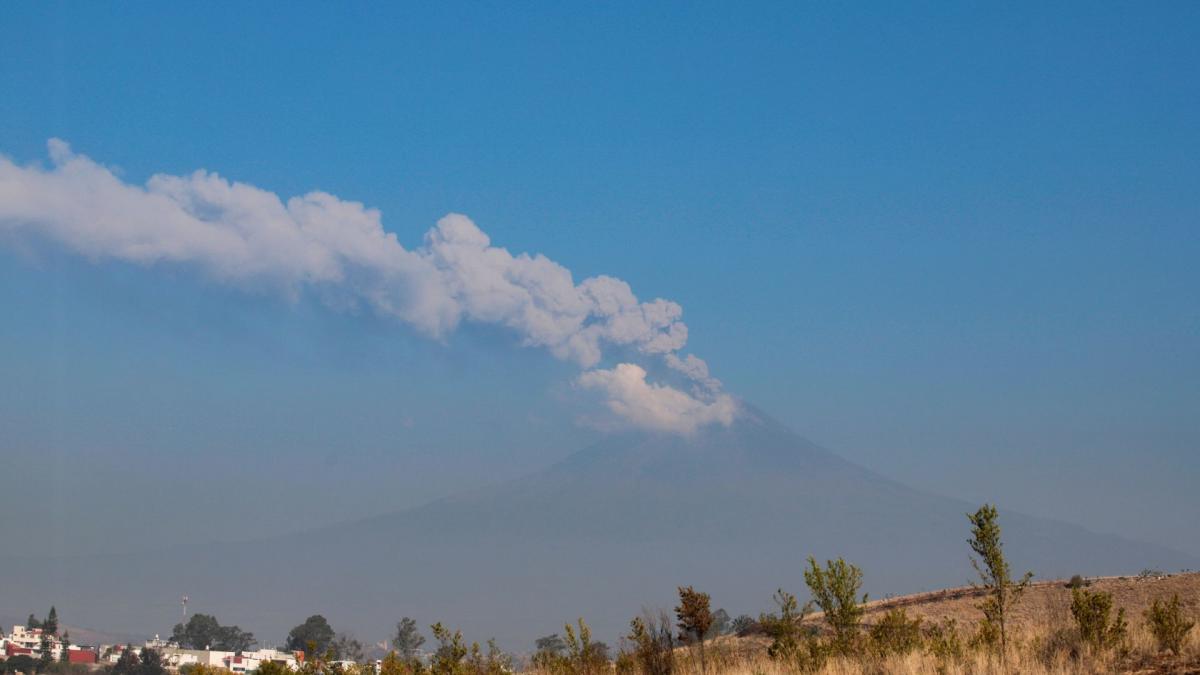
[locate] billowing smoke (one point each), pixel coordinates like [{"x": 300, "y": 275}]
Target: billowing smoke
[{"x": 241, "y": 235}]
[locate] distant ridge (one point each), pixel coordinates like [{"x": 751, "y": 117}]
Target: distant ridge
[{"x": 602, "y": 534}]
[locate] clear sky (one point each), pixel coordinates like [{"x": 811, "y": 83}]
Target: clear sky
[{"x": 954, "y": 242}]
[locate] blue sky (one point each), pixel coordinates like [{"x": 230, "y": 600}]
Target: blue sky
[{"x": 955, "y": 243}]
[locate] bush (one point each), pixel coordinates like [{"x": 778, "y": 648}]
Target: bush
[
  {"x": 835, "y": 590},
  {"x": 1168, "y": 625},
  {"x": 986, "y": 637},
  {"x": 944, "y": 643},
  {"x": 895, "y": 634},
  {"x": 1076, "y": 582},
  {"x": 1098, "y": 628},
  {"x": 790, "y": 643},
  {"x": 653, "y": 645},
  {"x": 1059, "y": 643}
]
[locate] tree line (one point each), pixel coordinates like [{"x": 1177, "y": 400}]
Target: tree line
[{"x": 656, "y": 640}]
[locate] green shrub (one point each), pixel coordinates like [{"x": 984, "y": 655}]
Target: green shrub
[
  {"x": 835, "y": 591},
  {"x": 791, "y": 644},
  {"x": 1076, "y": 582},
  {"x": 895, "y": 633},
  {"x": 1093, "y": 615},
  {"x": 1168, "y": 625},
  {"x": 944, "y": 642},
  {"x": 986, "y": 637},
  {"x": 451, "y": 652}
]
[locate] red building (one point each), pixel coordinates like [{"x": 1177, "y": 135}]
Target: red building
[{"x": 82, "y": 656}]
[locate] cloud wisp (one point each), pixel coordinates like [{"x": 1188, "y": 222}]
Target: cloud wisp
[{"x": 241, "y": 235}]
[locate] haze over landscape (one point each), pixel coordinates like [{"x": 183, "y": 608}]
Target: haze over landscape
[{"x": 492, "y": 316}]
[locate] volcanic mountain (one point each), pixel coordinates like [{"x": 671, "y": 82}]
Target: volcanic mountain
[{"x": 607, "y": 532}]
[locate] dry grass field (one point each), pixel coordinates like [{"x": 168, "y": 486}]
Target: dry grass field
[{"x": 1046, "y": 642}]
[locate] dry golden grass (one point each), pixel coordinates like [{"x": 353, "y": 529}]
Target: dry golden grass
[
  {"x": 1044, "y": 643},
  {"x": 1028, "y": 656}
]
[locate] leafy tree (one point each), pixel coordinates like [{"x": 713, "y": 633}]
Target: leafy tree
[
  {"x": 743, "y": 622},
  {"x": 203, "y": 631},
  {"x": 1097, "y": 626},
  {"x": 835, "y": 590},
  {"x": 32, "y": 622},
  {"x": 695, "y": 619},
  {"x": 45, "y": 658},
  {"x": 895, "y": 633},
  {"x": 550, "y": 644},
  {"x": 128, "y": 663},
  {"x": 994, "y": 576},
  {"x": 346, "y": 648},
  {"x": 20, "y": 663},
  {"x": 448, "y": 659},
  {"x": 234, "y": 639},
  {"x": 395, "y": 664},
  {"x": 268, "y": 668},
  {"x": 408, "y": 638},
  {"x": 494, "y": 662},
  {"x": 151, "y": 663},
  {"x": 1168, "y": 625},
  {"x": 790, "y": 644},
  {"x": 200, "y": 632},
  {"x": 65, "y": 657},
  {"x": 313, "y": 637}
]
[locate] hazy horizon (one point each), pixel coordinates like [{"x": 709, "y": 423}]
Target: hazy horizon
[{"x": 277, "y": 271}]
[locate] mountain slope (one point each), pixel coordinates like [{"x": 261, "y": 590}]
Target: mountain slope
[{"x": 602, "y": 534}]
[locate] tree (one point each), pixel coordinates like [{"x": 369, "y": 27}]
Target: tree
[
  {"x": 721, "y": 623},
  {"x": 65, "y": 656},
  {"x": 1168, "y": 625},
  {"x": 20, "y": 663},
  {"x": 448, "y": 659},
  {"x": 994, "y": 576},
  {"x": 45, "y": 658},
  {"x": 346, "y": 648},
  {"x": 128, "y": 663},
  {"x": 394, "y": 664},
  {"x": 32, "y": 622},
  {"x": 50, "y": 625},
  {"x": 550, "y": 644},
  {"x": 835, "y": 590},
  {"x": 694, "y": 619},
  {"x": 314, "y": 636},
  {"x": 270, "y": 668},
  {"x": 203, "y": 631},
  {"x": 1092, "y": 613},
  {"x": 743, "y": 622},
  {"x": 408, "y": 639},
  {"x": 151, "y": 663},
  {"x": 790, "y": 644},
  {"x": 584, "y": 656}
]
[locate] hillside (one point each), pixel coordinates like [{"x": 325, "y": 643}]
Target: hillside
[
  {"x": 608, "y": 531},
  {"x": 1042, "y": 618}
]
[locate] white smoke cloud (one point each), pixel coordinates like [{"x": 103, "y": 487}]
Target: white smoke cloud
[
  {"x": 656, "y": 406},
  {"x": 242, "y": 235}
]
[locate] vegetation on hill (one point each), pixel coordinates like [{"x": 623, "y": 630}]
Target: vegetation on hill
[{"x": 996, "y": 625}]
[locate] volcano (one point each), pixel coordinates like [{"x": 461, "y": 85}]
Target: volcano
[{"x": 603, "y": 534}]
